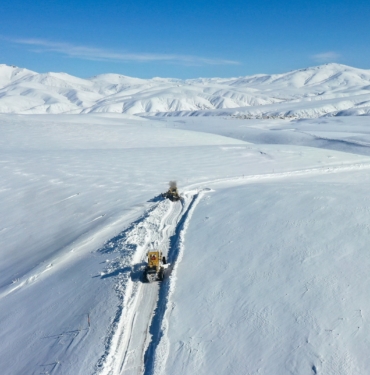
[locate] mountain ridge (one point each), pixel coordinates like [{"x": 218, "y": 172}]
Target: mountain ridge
[{"x": 24, "y": 91}]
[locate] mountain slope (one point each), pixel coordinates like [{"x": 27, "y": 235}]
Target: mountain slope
[{"x": 24, "y": 91}]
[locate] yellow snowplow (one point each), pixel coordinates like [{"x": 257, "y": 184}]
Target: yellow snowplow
[
  {"x": 172, "y": 193},
  {"x": 156, "y": 265}
]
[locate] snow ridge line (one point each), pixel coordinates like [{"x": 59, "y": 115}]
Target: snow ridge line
[
  {"x": 158, "y": 349},
  {"x": 300, "y": 172},
  {"x": 55, "y": 261},
  {"x": 347, "y": 142}
]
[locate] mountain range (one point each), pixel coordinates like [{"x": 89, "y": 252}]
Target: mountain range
[{"x": 330, "y": 89}]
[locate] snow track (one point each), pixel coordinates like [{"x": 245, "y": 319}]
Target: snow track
[
  {"x": 135, "y": 329},
  {"x": 350, "y": 167},
  {"x": 157, "y": 352}
]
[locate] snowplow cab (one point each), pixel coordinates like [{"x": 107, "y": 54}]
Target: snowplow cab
[{"x": 154, "y": 259}]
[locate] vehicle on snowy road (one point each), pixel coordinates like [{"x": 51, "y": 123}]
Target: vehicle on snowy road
[{"x": 156, "y": 266}]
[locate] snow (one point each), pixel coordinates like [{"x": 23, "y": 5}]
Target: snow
[
  {"x": 285, "y": 264},
  {"x": 331, "y": 89},
  {"x": 267, "y": 248}
]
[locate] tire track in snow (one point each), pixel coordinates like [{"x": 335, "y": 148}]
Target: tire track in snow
[
  {"x": 157, "y": 350},
  {"x": 120, "y": 267},
  {"x": 129, "y": 334},
  {"x": 351, "y": 167}
]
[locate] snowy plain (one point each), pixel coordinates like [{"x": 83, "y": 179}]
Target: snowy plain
[{"x": 268, "y": 247}]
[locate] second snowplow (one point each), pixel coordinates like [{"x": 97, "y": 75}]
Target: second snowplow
[{"x": 172, "y": 193}]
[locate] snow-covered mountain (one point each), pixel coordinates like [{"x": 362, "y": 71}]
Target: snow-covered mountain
[{"x": 332, "y": 89}]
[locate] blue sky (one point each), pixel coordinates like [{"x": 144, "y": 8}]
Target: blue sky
[{"x": 183, "y": 39}]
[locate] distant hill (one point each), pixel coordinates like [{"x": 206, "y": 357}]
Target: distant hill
[{"x": 330, "y": 89}]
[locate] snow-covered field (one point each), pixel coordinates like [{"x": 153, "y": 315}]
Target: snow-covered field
[{"x": 268, "y": 248}]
